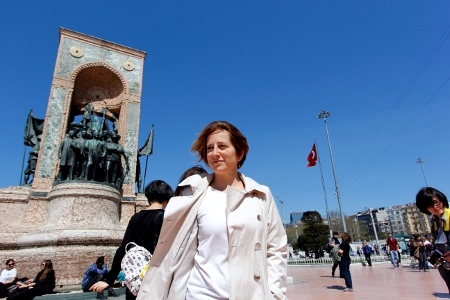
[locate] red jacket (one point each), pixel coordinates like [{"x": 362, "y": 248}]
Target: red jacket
[{"x": 392, "y": 244}]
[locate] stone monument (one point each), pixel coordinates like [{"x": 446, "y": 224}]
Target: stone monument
[{"x": 74, "y": 219}]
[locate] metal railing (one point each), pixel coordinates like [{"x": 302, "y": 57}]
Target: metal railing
[{"x": 355, "y": 259}]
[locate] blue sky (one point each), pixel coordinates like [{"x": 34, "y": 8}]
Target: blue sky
[{"x": 269, "y": 67}]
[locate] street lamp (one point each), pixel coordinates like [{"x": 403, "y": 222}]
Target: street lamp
[
  {"x": 373, "y": 225},
  {"x": 296, "y": 233},
  {"x": 282, "y": 213},
  {"x": 421, "y": 161},
  {"x": 324, "y": 115},
  {"x": 357, "y": 228}
]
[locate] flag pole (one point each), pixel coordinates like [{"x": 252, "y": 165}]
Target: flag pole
[
  {"x": 145, "y": 172},
  {"x": 23, "y": 162},
  {"x": 324, "y": 190}
]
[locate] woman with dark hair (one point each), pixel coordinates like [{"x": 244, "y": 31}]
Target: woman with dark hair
[
  {"x": 195, "y": 170},
  {"x": 433, "y": 202},
  {"x": 7, "y": 277},
  {"x": 223, "y": 238},
  {"x": 42, "y": 284},
  {"x": 419, "y": 251},
  {"x": 344, "y": 264},
  {"x": 143, "y": 229}
]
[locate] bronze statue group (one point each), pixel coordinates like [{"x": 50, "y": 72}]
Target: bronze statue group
[{"x": 89, "y": 153}]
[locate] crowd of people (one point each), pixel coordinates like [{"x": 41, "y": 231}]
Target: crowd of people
[{"x": 219, "y": 234}]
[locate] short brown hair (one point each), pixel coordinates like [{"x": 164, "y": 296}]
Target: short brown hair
[
  {"x": 346, "y": 237},
  {"x": 238, "y": 140}
]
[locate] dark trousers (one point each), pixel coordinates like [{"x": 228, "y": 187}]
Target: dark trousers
[
  {"x": 344, "y": 266},
  {"x": 3, "y": 290},
  {"x": 91, "y": 282},
  {"x": 368, "y": 259},
  {"x": 334, "y": 267},
  {"x": 29, "y": 294},
  {"x": 445, "y": 274},
  {"x": 422, "y": 260}
]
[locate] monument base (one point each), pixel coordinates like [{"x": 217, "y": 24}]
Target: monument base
[{"x": 76, "y": 223}]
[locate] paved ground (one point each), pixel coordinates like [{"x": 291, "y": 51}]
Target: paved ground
[{"x": 381, "y": 281}]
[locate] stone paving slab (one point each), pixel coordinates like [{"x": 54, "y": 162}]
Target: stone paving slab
[{"x": 381, "y": 281}]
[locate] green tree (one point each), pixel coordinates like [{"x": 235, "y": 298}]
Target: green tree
[
  {"x": 292, "y": 234},
  {"x": 311, "y": 218},
  {"x": 315, "y": 234}
]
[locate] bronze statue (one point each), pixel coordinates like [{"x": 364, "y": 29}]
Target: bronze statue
[
  {"x": 99, "y": 147},
  {"x": 32, "y": 160},
  {"x": 113, "y": 173},
  {"x": 78, "y": 145},
  {"x": 88, "y": 151},
  {"x": 67, "y": 157}
]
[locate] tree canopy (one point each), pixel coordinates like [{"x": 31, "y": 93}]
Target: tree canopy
[{"x": 315, "y": 234}]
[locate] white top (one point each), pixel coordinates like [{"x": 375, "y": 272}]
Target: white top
[
  {"x": 209, "y": 278},
  {"x": 8, "y": 274}
]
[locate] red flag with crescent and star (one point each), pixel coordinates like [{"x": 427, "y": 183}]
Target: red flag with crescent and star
[{"x": 312, "y": 157}]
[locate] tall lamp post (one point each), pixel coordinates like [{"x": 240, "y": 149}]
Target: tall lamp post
[
  {"x": 374, "y": 228},
  {"x": 282, "y": 212},
  {"x": 357, "y": 228},
  {"x": 324, "y": 115},
  {"x": 421, "y": 161}
]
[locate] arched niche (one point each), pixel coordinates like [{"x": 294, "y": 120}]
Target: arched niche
[{"x": 99, "y": 85}]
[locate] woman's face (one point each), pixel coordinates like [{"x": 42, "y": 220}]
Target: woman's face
[
  {"x": 437, "y": 208},
  {"x": 43, "y": 265},
  {"x": 221, "y": 154}
]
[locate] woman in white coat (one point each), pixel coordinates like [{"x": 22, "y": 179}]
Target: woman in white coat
[{"x": 223, "y": 239}]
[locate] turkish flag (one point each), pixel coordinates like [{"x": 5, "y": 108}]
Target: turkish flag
[{"x": 312, "y": 157}]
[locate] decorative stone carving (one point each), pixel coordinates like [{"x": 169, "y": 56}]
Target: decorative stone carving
[
  {"x": 76, "y": 52},
  {"x": 128, "y": 65}
]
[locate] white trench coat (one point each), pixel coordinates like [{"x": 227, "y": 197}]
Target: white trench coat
[{"x": 257, "y": 240}]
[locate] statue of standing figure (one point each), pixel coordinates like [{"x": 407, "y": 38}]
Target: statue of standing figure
[
  {"x": 32, "y": 161},
  {"x": 113, "y": 172},
  {"x": 85, "y": 122},
  {"x": 88, "y": 151},
  {"x": 67, "y": 157}
]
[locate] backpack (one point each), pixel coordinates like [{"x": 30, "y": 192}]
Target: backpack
[{"x": 134, "y": 265}]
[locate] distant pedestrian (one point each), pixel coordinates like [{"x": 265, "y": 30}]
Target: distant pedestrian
[
  {"x": 336, "y": 258},
  {"x": 392, "y": 250},
  {"x": 419, "y": 251},
  {"x": 367, "y": 253},
  {"x": 334, "y": 243},
  {"x": 344, "y": 265},
  {"x": 335, "y": 238}
]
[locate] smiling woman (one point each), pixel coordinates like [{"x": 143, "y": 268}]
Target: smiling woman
[
  {"x": 433, "y": 202},
  {"x": 228, "y": 221}
]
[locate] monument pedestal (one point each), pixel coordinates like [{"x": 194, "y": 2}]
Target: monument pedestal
[{"x": 81, "y": 224}]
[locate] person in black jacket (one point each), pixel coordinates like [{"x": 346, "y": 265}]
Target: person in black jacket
[
  {"x": 42, "y": 284},
  {"x": 143, "y": 229}
]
